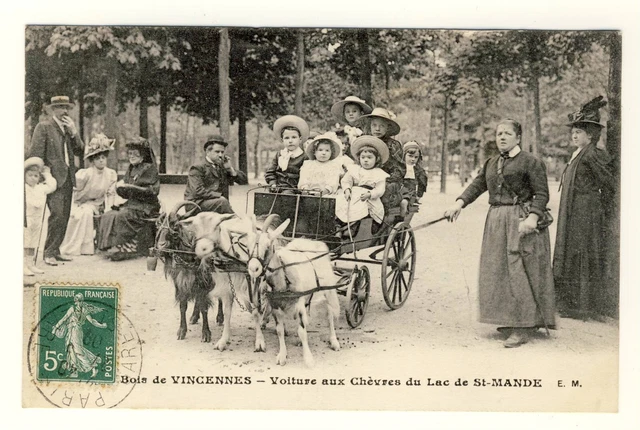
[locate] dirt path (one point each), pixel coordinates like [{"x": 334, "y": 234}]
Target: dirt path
[{"x": 436, "y": 328}]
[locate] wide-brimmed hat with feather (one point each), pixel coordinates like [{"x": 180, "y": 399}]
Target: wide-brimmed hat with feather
[{"x": 588, "y": 114}]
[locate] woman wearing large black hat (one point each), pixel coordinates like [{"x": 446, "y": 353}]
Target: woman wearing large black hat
[
  {"x": 119, "y": 229},
  {"x": 579, "y": 257}
]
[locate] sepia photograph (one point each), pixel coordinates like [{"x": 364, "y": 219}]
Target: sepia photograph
[{"x": 322, "y": 217}]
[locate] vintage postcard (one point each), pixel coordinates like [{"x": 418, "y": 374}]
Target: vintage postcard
[{"x": 322, "y": 218}]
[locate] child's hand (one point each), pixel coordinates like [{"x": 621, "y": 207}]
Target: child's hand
[
  {"x": 365, "y": 196},
  {"x": 46, "y": 170},
  {"x": 347, "y": 195}
]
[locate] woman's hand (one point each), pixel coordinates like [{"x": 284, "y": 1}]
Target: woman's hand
[
  {"x": 347, "y": 194},
  {"x": 528, "y": 225},
  {"x": 452, "y": 213},
  {"x": 120, "y": 183},
  {"x": 365, "y": 196}
]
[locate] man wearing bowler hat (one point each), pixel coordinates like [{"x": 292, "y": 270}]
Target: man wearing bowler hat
[
  {"x": 208, "y": 182},
  {"x": 56, "y": 141}
]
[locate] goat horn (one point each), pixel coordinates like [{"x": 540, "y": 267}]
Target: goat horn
[
  {"x": 179, "y": 205},
  {"x": 268, "y": 222}
]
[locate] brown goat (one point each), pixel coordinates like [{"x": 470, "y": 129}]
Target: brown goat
[{"x": 192, "y": 282}]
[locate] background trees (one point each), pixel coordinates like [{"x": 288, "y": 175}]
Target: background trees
[{"x": 448, "y": 88}]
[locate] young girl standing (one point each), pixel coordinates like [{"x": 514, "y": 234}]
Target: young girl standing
[
  {"x": 285, "y": 168},
  {"x": 364, "y": 183},
  {"x": 321, "y": 172},
  {"x": 35, "y": 194}
]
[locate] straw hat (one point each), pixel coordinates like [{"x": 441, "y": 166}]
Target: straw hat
[
  {"x": 100, "y": 143},
  {"x": 589, "y": 113},
  {"x": 394, "y": 127},
  {"x": 60, "y": 101},
  {"x": 330, "y": 137},
  {"x": 338, "y": 108},
  {"x": 373, "y": 142},
  {"x": 292, "y": 121},
  {"x": 33, "y": 161}
]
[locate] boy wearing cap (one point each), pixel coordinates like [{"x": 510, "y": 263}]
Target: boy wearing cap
[
  {"x": 55, "y": 140},
  {"x": 208, "y": 182}
]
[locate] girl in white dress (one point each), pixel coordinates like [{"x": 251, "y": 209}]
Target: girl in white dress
[
  {"x": 93, "y": 195},
  {"x": 321, "y": 172},
  {"x": 364, "y": 183},
  {"x": 35, "y": 199}
]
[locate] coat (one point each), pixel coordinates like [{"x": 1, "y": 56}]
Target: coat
[
  {"x": 579, "y": 256},
  {"x": 289, "y": 177},
  {"x": 210, "y": 181},
  {"x": 48, "y": 142}
]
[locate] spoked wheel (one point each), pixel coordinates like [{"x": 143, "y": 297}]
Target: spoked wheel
[
  {"x": 398, "y": 265},
  {"x": 358, "y": 295}
]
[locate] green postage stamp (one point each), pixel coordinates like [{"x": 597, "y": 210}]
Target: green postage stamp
[{"x": 77, "y": 334}]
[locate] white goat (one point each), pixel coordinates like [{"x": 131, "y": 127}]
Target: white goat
[
  {"x": 299, "y": 266},
  {"x": 231, "y": 235}
]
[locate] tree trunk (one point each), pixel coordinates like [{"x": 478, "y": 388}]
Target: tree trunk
[
  {"x": 612, "y": 265},
  {"x": 535, "y": 143},
  {"x": 144, "y": 117},
  {"x": 256, "y": 150},
  {"x": 110, "y": 126},
  {"x": 362, "y": 37},
  {"x": 443, "y": 153},
  {"x": 299, "y": 73},
  {"x": 81, "y": 120},
  {"x": 164, "y": 111},
  {"x": 242, "y": 140},
  {"x": 463, "y": 153},
  {"x": 223, "y": 83}
]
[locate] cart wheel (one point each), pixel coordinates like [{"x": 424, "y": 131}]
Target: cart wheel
[
  {"x": 358, "y": 295},
  {"x": 398, "y": 265}
]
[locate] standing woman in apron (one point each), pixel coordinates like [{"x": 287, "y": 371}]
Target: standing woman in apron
[{"x": 515, "y": 286}]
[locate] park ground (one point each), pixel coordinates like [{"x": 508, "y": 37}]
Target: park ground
[{"x": 435, "y": 334}]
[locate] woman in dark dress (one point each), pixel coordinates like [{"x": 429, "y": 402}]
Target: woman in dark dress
[
  {"x": 579, "y": 257},
  {"x": 119, "y": 228},
  {"x": 515, "y": 287}
]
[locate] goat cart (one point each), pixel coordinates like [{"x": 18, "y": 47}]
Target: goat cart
[{"x": 391, "y": 245}]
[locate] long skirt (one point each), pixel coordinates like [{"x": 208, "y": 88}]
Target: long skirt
[
  {"x": 119, "y": 227},
  {"x": 515, "y": 287},
  {"x": 78, "y": 239}
]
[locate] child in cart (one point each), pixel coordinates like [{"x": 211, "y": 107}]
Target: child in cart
[
  {"x": 321, "y": 172},
  {"x": 414, "y": 184},
  {"x": 285, "y": 168},
  {"x": 348, "y": 111},
  {"x": 364, "y": 183},
  {"x": 381, "y": 124}
]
